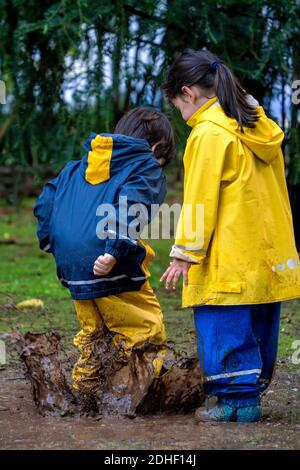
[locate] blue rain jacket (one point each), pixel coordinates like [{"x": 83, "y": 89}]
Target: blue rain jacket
[{"x": 72, "y": 218}]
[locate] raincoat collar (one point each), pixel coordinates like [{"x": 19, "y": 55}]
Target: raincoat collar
[
  {"x": 197, "y": 116},
  {"x": 264, "y": 140}
]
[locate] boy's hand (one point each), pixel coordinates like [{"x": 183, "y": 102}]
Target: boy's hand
[
  {"x": 104, "y": 264},
  {"x": 174, "y": 271}
]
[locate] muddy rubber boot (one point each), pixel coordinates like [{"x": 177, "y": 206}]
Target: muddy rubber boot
[
  {"x": 248, "y": 414},
  {"x": 219, "y": 413}
]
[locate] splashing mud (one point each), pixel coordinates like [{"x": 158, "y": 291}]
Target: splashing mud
[
  {"x": 50, "y": 390},
  {"x": 127, "y": 389},
  {"x": 177, "y": 389}
]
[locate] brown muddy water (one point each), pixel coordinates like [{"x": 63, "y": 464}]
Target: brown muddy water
[
  {"x": 38, "y": 411},
  {"x": 22, "y": 427},
  {"x": 123, "y": 386}
]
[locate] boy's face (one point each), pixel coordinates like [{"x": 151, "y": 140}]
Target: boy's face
[{"x": 161, "y": 160}]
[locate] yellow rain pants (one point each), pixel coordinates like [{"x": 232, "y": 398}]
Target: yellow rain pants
[{"x": 134, "y": 317}]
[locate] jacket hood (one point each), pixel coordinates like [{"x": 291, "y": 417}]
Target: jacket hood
[
  {"x": 264, "y": 140},
  {"x": 107, "y": 154}
]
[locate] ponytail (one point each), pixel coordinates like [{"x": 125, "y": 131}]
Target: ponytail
[
  {"x": 233, "y": 98},
  {"x": 204, "y": 69}
]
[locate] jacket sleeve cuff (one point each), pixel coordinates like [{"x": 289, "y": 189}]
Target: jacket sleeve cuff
[
  {"x": 180, "y": 254},
  {"x": 113, "y": 252},
  {"x": 45, "y": 245}
]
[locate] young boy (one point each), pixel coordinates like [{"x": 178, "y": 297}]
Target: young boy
[{"x": 85, "y": 218}]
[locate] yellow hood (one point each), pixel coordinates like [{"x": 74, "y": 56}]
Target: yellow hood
[{"x": 264, "y": 140}]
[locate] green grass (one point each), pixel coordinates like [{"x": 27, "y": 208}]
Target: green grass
[{"x": 26, "y": 272}]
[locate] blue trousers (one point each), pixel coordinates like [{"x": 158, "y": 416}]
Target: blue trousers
[{"x": 237, "y": 348}]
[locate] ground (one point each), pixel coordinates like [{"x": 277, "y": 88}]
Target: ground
[{"x": 26, "y": 273}]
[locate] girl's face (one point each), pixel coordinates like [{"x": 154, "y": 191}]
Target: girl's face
[
  {"x": 184, "y": 106},
  {"x": 190, "y": 100}
]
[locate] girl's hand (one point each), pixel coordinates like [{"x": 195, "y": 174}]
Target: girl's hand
[
  {"x": 104, "y": 264},
  {"x": 174, "y": 271}
]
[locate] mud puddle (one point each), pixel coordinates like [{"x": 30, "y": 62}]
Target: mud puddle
[
  {"x": 125, "y": 387},
  {"x": 22, "y": 427},
  {"x": 163, "y": 418}
]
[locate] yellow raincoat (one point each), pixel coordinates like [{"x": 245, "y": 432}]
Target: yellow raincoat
[{"x": 243, "y": 244}]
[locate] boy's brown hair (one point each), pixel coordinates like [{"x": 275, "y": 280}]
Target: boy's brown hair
[{"x": 151, "y": 125}]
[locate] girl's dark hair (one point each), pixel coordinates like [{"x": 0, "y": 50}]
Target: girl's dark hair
[
  {"x": 151, "y": 125},
  {"x": 206, "y": 70}
]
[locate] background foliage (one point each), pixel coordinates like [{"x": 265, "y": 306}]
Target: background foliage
[{"x": 72, "y": 67}]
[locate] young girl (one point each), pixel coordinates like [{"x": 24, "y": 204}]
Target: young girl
[{"x": 242, "y": 261}]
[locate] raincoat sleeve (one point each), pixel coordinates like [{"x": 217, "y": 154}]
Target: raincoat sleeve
[
  {"x": 208, "y": 161},
  {"x": 139, "y": 201},
  {"x": 42, "y": 211}
]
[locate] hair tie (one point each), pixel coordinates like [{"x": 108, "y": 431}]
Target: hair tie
[{"x": 214, "y": 65}]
